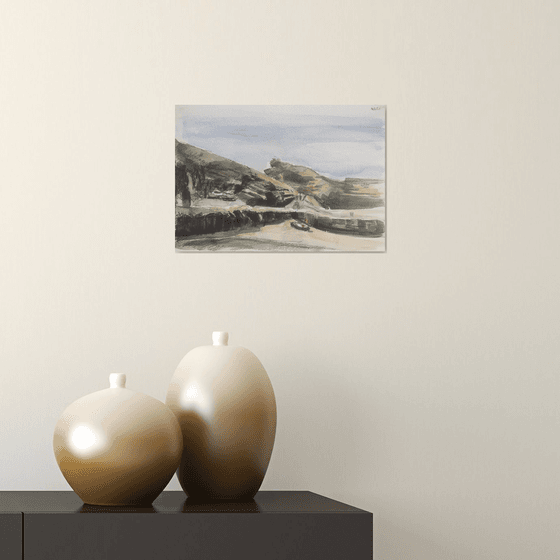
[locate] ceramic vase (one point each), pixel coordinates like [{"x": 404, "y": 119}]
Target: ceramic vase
[
  {"x": 225, "y": 404},
  {"x": 117, "y": 446}
]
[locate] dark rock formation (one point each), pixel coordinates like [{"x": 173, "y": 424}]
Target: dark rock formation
[
  {"x": 199, "y": 172},
  {"x": 192, "y": 222},
  {"x": 348, "y": 226},
  {"x": 226, "y": 220}
]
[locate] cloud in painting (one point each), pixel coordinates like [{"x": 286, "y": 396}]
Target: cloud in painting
[{"x": 337, "y": 141}]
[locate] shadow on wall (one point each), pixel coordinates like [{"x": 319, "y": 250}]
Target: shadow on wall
[{"x": 397, "y": 543}]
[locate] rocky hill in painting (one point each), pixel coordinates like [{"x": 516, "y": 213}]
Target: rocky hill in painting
[
  {"x": 215, "y": 194},
  {"x": 200, "y": 173},
  {"x": 349, "y": 194}
]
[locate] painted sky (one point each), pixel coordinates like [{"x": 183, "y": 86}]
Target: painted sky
[{"x": 335, "y": 140}]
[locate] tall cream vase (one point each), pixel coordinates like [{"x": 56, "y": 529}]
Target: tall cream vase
[{"x": 225, "y": 405}]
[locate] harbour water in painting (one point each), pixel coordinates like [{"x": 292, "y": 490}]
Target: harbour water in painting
[{"x": 280, "y": 178}]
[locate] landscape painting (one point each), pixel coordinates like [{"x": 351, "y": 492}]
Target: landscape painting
[{"x": 280, "y": 178}]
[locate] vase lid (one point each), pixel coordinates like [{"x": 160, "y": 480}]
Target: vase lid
[
  {"x": 220, "y": 338},
  {"x": 117, "y": 380}
]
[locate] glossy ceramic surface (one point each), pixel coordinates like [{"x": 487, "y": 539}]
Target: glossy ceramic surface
[
  {"x": 117, "y": 446},
  {"x": 225, "y": 404}
]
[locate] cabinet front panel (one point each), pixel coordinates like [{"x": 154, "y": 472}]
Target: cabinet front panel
[
  {"x": 201, "y": 536},
  {"x": 10, "y": 536}
]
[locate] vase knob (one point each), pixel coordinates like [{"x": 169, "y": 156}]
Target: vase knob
[
  {"x": 117, "y": 381},
  {"x": 220, "y": 338}
]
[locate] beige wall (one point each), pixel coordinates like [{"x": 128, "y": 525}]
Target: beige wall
[{"x": 421, "y": 384}]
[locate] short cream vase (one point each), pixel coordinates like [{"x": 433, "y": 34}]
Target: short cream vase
[{"x": 117, "y": 447}]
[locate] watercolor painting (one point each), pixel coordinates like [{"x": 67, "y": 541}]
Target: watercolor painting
[{"x": 280, "y": 178}]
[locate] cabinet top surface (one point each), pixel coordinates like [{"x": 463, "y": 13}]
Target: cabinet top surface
[{"x": 174, "y": 502}]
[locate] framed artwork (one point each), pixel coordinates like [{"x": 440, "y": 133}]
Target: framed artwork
[{"x": 280, "y": 178}]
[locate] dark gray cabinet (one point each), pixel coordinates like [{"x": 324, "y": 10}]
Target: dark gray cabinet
[{"x": 275, "y": 525}]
